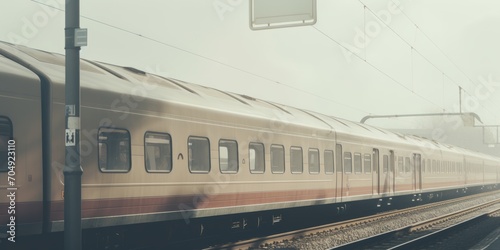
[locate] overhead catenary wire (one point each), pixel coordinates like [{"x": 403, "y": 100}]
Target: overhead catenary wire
[
  {"x": 376, "y": 68},
  {"x": 209, "y": 59},
  {"x": 413, "y": 49},
  {"x": 432, "y": 41},
  {"x": 283, "y": 84},
  {"x": 417, "y": 28}
]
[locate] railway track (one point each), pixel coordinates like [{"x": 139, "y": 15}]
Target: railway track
[
  {"x": 426, "y": 233},
  {"x": 285, "y": 239}
]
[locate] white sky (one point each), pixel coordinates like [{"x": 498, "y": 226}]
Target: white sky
[{"x": 194, "y": 41}]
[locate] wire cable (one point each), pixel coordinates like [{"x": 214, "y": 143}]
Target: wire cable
[
  {"x": 210, "y": 59},
  {"x": 418, "y": 52},
  {"x": 447, "y": 57},
  {"x": 375, "y": 67}
]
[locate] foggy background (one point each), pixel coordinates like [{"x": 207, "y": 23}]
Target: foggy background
[{"x": 411, "y": 59}]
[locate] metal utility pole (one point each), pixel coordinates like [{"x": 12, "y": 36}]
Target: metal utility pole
[
  {"x": 74, "y": 39},
  {"x": 460, "y": 98}
]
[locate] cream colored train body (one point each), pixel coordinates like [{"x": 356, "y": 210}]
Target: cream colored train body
[{"x": 159, "y": 149}]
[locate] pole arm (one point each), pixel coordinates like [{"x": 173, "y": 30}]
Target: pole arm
[{"x": 412, "y": 115}]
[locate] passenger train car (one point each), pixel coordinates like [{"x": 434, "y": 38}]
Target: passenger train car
[{"x": 161, "y": 150}]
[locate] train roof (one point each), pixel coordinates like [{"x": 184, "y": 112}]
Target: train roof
[{"x": 121, "y": 80}]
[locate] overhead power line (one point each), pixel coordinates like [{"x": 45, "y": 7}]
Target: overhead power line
[
  {"x": 440, "y": 50},
  {"x": 376, "y": 68},
  {"x": 209, "y": 59}
]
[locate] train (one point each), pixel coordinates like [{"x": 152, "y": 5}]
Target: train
[{"x": 158, "y": 150}]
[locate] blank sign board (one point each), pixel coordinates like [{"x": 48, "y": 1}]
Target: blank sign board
[{"x": 269, "y": 14}]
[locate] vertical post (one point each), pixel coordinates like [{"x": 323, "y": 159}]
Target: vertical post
[
  {"x": 460, "y": 98},
  {"x": 72, "y": 169}
]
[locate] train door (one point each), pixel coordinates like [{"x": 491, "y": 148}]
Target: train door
[
  {"x": 392, "y": 172},
  {"x": 417, "y": 182},
  {"x": 21, "y": 157},
  {"x": 375, "y": 172},
  {"x": 384, "y": 181},
  {"x": 339, "y": 172}
]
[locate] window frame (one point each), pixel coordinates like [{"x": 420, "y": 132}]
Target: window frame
[
  {"x": 129, "y": 158},
  {"x": 385, "y": 162},
  {"x": 401, "y": 167},
  {"x": 228, "y": 157},
  {"x": 333, "y": 161},
  {"x": 283, "y": 158},
  {"x": 357, "y": 155},
  {"x": 209, "y": 156},
  {"x": 408, "y": 166},
  {"x": 364, "y": 163},
  {"x": 309, "y": 160},
  {"x": 263, "y": 158},
  {"x": 146, "y": 154},
  {"x": 296, "y": 149},
  {"x": 345, "y": 160}
]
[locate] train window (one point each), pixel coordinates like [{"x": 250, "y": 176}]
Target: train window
[
  {"x": 329, "y": 167},
  {"x": 158, "y": 152},
  {"x": 434, "y": 166},
  {"x": 114, "y": 150},
  {"x": 386, "y": 163},
  {"x": 400, "y": 164},
  {"x": 429, "y": 165},
  {"x": 277, "y": 159},
  {"x": 423, "y": 166},
  {"x": 313, "y": 158},
  {"x": 199, "y": 154},
  {"x": 338, "y": 152},
  {"x": 256, "y": 157},
  {"x": 228, "y": 156},
  {"x": 296, "y": 160},
  {"x": 348, "y": 162},
  {"x": 5, "y": 136},
  {"x": 408, "y": 165},
  {"x": 367, "y": 163},
  {"x": 358, "y": 168}
]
